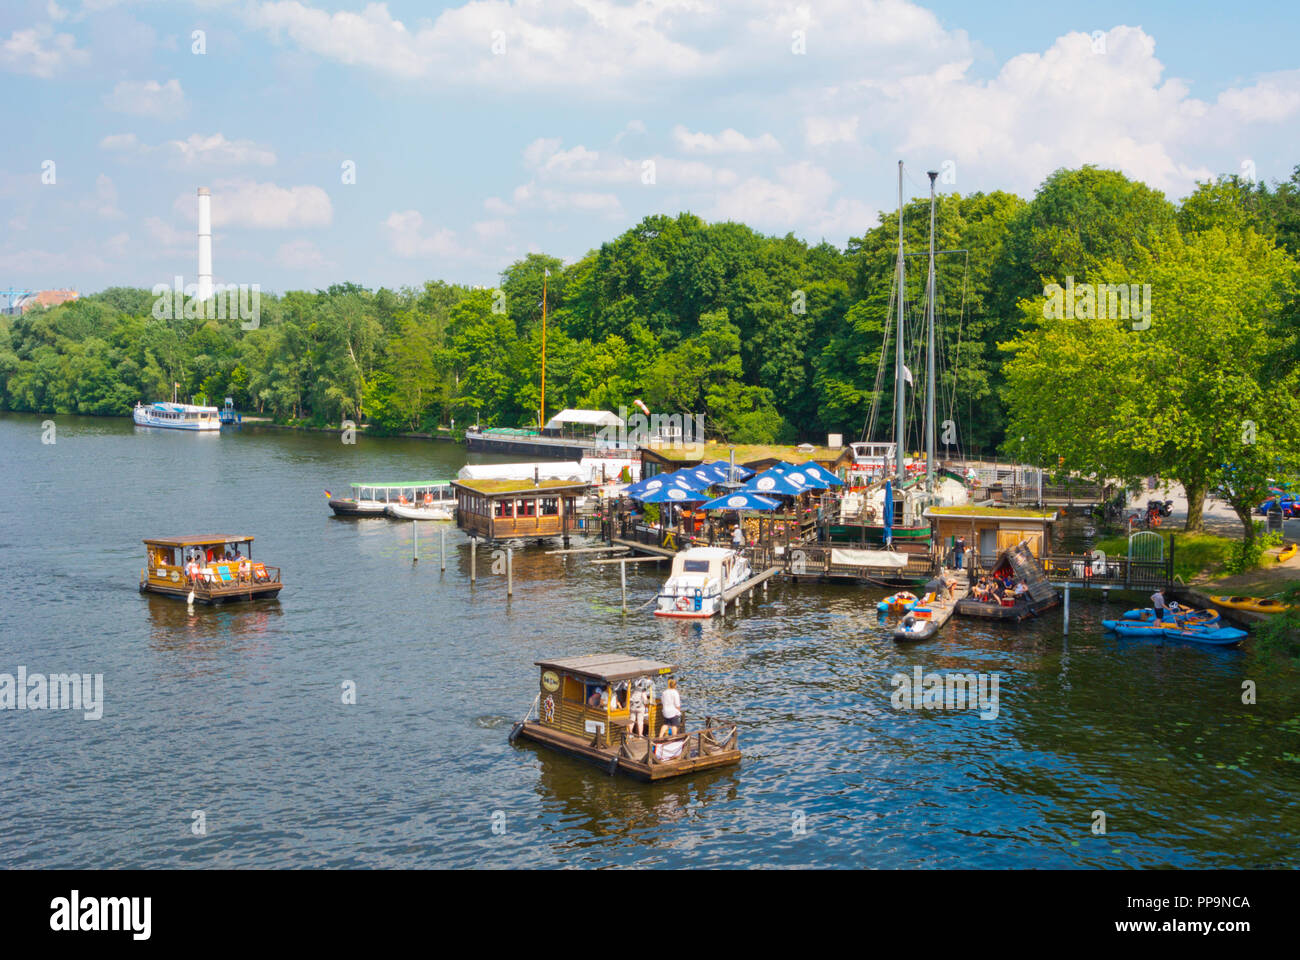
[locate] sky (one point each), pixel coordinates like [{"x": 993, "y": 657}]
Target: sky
[{"x": 395, "y": 143}]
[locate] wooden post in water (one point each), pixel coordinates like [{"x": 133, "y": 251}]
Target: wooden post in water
[
  {"x": 1067, "y": 608},
  {"x": 415, "y": 541},
  {"x": 443, "y": 533},
  {"x": 510, "y": 571},
  {"x": 473, "y": 556},
  {"x": 622, "y": 576}
]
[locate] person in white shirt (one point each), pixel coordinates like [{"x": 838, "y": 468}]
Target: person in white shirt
[
  {"x": 671, "y": 710},
  {"x": 637, "y": 703}
]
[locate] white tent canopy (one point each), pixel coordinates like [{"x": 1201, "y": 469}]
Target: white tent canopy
[
  {"x": 564, "y": 470},
  {"x": 592, "y": 418}
]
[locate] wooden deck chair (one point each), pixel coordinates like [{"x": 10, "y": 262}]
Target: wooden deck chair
[
  {"x": 259, "y": 572},
  {"x": 224, "y": 574}
]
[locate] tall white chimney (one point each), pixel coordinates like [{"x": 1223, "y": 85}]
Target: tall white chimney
[{"x": 205, "y": 244}]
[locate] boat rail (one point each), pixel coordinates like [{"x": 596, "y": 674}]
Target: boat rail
[
  {"x": 695, "y": 743},
  {"x": 217, "y": 586},
  {"x": 811, "y": 559}
]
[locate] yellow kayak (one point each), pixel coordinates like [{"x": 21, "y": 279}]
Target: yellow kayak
[
  {"x": 1254, "y": 604},
  {"x": 1288, "y": 553}
]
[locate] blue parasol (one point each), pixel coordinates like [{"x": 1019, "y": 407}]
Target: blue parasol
[{"x": 889, "y": 512}]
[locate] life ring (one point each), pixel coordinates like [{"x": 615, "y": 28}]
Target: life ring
[
  {"x": 428, "y": 499},
  {"x": 683, "y": 603}
]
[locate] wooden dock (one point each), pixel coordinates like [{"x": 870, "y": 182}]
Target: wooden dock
[
  {"x": 643, "y": 548},
  {"x": 740, "y": 589}
]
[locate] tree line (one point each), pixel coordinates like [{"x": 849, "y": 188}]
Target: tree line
[{"x": 773, "y": 339}]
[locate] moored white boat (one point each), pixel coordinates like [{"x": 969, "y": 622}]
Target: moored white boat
[
  {"x": 435, "y": 510},
  {"x": 699, "y": 577},
  {"x": 176, "y": 416}
]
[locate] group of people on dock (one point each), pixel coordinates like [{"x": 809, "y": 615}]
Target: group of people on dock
[{"x": 995, "y": 589}]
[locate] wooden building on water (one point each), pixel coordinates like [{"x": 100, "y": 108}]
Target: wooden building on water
[
  {"x": 991, "y": 530},
  {"x": 581, "y": 709},
  {"x": 509, "y": 509}
]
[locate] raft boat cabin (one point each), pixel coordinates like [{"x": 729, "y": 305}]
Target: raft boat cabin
[
  {"x": 214, "y": 569},
  {"x": 508, "y": 508},
  {"x": 581, "y": 709}
]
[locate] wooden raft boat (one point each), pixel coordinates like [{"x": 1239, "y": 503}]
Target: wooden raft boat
[
  {"x": 581, "y": 709},
  {"x": 1040, "y": 595},
  {"x": 198, "y": 569}
]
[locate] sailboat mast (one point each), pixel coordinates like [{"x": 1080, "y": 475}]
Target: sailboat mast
[
  {"x": 541, "y": 417},
  {"x": 900, "y": 438},
  {"x": 929, "y": 360}
]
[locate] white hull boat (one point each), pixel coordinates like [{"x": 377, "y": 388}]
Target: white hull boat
[
  {"x": 177, "y": 416},
  {"x": 411, "y": 511},
  {"x": 699, "y": 578}
]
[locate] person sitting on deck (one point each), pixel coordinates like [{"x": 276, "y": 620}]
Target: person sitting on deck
[
  {"x": 1020, "y": 590},
  {"x": 192, "y": 570},
  {"x": 245, "y": 569}
]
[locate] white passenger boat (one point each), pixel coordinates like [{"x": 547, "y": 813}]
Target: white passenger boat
[
  {"x": 699, "y": 577},
  {"x": 177, "y": 416},
  {"x": 425, "y": 503},
  {"x": 418, "y": 500}
]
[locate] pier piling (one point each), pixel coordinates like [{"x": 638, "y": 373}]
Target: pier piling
[
  {"x": 622, "y": 577},
  {"x": 415, "y": 541},
  {"x": 1067, "y": 608},
  {"x": 443, "y": 568},
  {"x": 473, "y": 556},
  {"x": 510, "y": 572}
]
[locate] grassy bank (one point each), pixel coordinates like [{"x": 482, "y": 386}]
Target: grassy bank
[{"x": 1196, "y": 555}]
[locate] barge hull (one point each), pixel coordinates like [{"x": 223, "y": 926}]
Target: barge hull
[{"x": 610, "y": 759}]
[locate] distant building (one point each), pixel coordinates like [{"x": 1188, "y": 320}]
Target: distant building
[{"x": 45, "y": 298}]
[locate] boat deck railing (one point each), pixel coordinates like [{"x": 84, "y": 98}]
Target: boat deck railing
[
  {"x": 219, "y": 586},
  {"x": 712, "y": 739}
]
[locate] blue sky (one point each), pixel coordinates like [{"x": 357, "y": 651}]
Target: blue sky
[{"x": 481, "y": 131}]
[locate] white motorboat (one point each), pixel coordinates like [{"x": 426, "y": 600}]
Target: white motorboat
[
  {"x": 177, "y": 416},
  {"x": 427, "y": 510},
  {"x": 419, "y": 500},
  {"x": 699, "y": 577}
]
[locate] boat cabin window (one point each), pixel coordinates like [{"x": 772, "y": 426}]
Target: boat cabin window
[
  {"x": 550, "y": 507},
  {"x": 695, "y": 566},
  {"x": 500, "y": 508},
  {"x": 573, "y": 690},
  {"x": 165, "y": 556}
]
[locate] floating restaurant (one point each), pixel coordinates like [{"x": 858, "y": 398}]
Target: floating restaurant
[{"x": 506, "y": 509}]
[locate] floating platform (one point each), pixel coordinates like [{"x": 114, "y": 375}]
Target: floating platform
[{"x": 637, "y": 756}]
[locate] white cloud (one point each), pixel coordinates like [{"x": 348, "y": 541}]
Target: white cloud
[
  {"x": 170, "y": 236},
  {"x": 301, "y": 255},
  {"x": 801, "y": 197},
  {"x": 196, "y": 150},
  {"x": 1272, "y": 99},
  {"x": 262, "y": 206},
  {"x": 491, "y": 229},
  {"x": 819, "y": 131},
  {"x": 406, "y": 237},
  {"x": 147, "y": 99},
  {"x": 40, "y": 52},
  {"x": 497, "y": 205},
  {"x": 117, "y": 246},
  {"x": 728, "y": 141},
  {"x": 105, "y": 199}
]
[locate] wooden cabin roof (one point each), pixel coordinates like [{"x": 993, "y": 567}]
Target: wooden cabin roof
[
  {"x": 607, "y": 666},
  {"x": 510, "y": 487},
  {"x": 198, "y": 541}
]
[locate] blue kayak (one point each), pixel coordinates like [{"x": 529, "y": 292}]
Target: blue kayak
[
  {"x": 1218, "y": 636},
  {"x": 1184, "y": 614}
]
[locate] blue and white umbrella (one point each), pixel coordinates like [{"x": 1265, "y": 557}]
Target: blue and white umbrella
[
  {"x": 741, "y": 500},
  {"x": 821, "y": 475},
  {"x": 889, "y": 513},
  {"x": 772, "y": 483},
  {"x": 671, "y": 493},
  {"x": 721, "y": 468},
  {"x": 640, "y": 489},
  {"x": 700, "y": 477}
]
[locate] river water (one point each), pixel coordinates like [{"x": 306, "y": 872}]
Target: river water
[{"x": 234, "y": 717}]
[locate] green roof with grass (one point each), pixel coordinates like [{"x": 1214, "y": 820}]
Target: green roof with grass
[
  {"x": 492, "y": 488},
  {"x": 745, "y": 453},
  {"x": 1001, "y": 513}
]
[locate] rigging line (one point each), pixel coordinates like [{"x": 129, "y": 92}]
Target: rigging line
[{"x": 870, "y": 427}]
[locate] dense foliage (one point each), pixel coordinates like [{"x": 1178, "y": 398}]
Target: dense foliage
[{"x": 769, "y": 338}]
